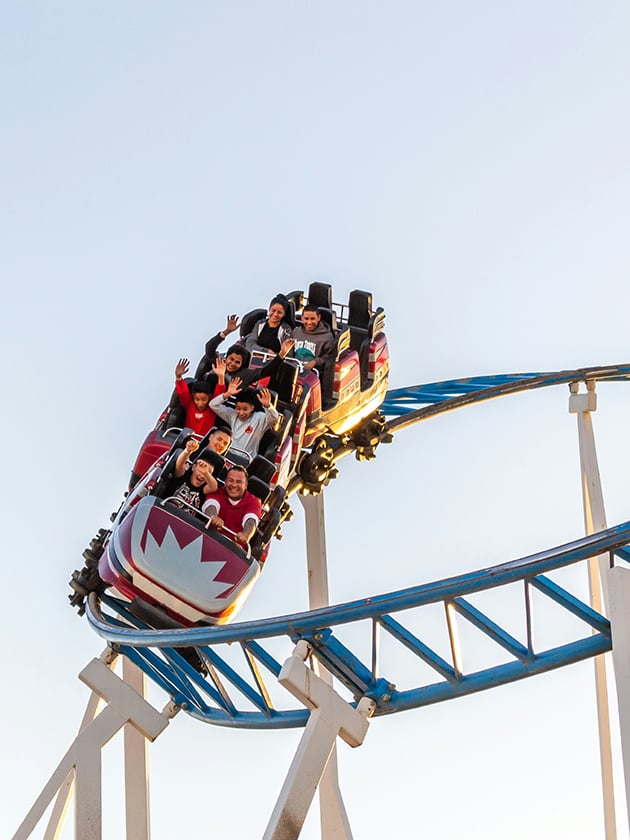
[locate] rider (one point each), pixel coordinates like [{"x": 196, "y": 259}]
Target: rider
[
  {"x": 195, "y": 398},
  {"x": 192, "y": 483},
  {"x": 314, "y": 340},
  {"x": 268, "y": 334},
  {"x": 247, "y": 427},
  {"x": 234, "y": 507},
  {"x": 236, "y": 357}
]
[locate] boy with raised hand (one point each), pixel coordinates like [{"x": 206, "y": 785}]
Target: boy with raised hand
[
  {"x": 248, "y": 426},
  {"x": 195, "y": 399},
  {"x": 192, "y": 483}
]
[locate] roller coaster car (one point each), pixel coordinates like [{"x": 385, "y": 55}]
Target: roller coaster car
[
  {"x": 166, "y": 559},
  {"x": 349, "y": 388}
]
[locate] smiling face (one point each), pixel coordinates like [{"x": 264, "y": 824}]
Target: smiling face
[
  {"x": 244, "y": 410},
  {"x": 200, "y": 472},
  {"x": 276, "y": 314},
  {"x": 235, "y": 484},
  {"x": 233, "y": 362},
  {"x": 219, "y": 441},
  {"x": 311, "y": 320}
]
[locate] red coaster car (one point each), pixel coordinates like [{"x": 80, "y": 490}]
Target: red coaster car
[{"x": 167, "y": 560}]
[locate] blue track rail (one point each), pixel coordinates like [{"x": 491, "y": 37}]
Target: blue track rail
[
  {"x": 241, "y": 661},
  {"x": 410, "y": 405}
]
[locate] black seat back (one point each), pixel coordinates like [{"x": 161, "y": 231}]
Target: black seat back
[
  {"x": 359, "y": 309},
  {"x": 258, "y": 488},
  {"x": 320, "y": 294},
  {"x": 262, "y": 467},
  {"x": 327, "y": 374},
  {"x": 273, "y": 438},
  {"x": 283, "y": 380},
  {"x": 361, "y": 339},
  {"x": 249, "y": 320},
  {"x": 329, "y": 316}
]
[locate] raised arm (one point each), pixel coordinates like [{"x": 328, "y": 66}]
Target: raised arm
[
  {"x": 252, "y": 375},
  {"x": 181, "y": 368},
  {"x": 217, "y": 403},
  {"x": 212, "y": 345},
  {"x": 271, "y": 415},
  {"x": 184, "y": 455}
]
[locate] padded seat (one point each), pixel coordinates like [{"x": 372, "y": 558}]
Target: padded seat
[
  {"x": 359, "y": 309},
  {"x": 364, "y": 326},
  {"x": 259, "y": 488},
  {"x": 329, "y": 316},
  {"x": 249, "y": 319},
  {"x": 320, "y": 294},
  {"x": 262, "y": 467},
  {"x": 273, "y": 438},
  {"x": 327, "y": 374},
  {"x": 284, "y": 380}
]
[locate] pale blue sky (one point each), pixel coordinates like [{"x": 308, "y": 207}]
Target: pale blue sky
[{"x": 164, "y": 165}]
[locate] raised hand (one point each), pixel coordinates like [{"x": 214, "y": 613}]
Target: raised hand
[
  {"x": 219, "y": 368},
  {"x": 264, "y": 395},
  {"x": 181, "y": 368},
  {"x": 235, "y": 385},
  {"x": 232, "y": 324}
]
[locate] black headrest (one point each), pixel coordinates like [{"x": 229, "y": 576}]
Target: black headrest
[
  {"x": 258, "y": 487},
  {"x": 320, "y": 294},
  {"x": 359, "y": 308},
  {"x": 283, "y": 380},
  {"x": 329, "y": 316},
  {"x": 262, "y": 468}
]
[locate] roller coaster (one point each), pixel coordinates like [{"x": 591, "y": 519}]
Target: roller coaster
[{"x": 325, "y": 682}]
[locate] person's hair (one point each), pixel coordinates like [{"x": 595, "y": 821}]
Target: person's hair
[
  {"x": 239, "y": 350},
  {"x": 210, "y": 457},
  {"x": 283, "y": 301},
  {"x": 237, "y": 468},
  {"x": 245, "y": 397},
  {"x": 225, "y": 429},
  {"x": 200, "y": 387},
  {"x": 310, "y": 307}
]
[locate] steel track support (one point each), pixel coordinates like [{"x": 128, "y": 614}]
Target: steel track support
[
  {"x": 136, "y": 746},
  {"x": 331, "y": 716},
  {"x": 66, "y": 791},
  {"x": 334, "y": 821},
  {"x": 582, "y": 405},
  {"x": 81, "y": 766},
  {"x": 619, "y": 594}
]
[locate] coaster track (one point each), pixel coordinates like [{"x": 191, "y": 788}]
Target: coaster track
[{"x": 239, "y": 688}]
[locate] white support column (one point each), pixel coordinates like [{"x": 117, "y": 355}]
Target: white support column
[
  {"x": 83, "y": 759},
  {"x": 331, "y": 716},
  {"x": 125, "y": 705},
  {"x": 582, "y": 404},
  {"x": 137, "y": 813},
  {"x": 66, "y": 791},
  {"x": 619, "y": 596},
  {"x": 334, "y": 821}
]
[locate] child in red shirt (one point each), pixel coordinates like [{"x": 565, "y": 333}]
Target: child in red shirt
[{"x": 199, "y": 417}]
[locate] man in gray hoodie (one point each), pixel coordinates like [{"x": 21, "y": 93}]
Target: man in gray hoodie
[{"x": 313, "y": 339}]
